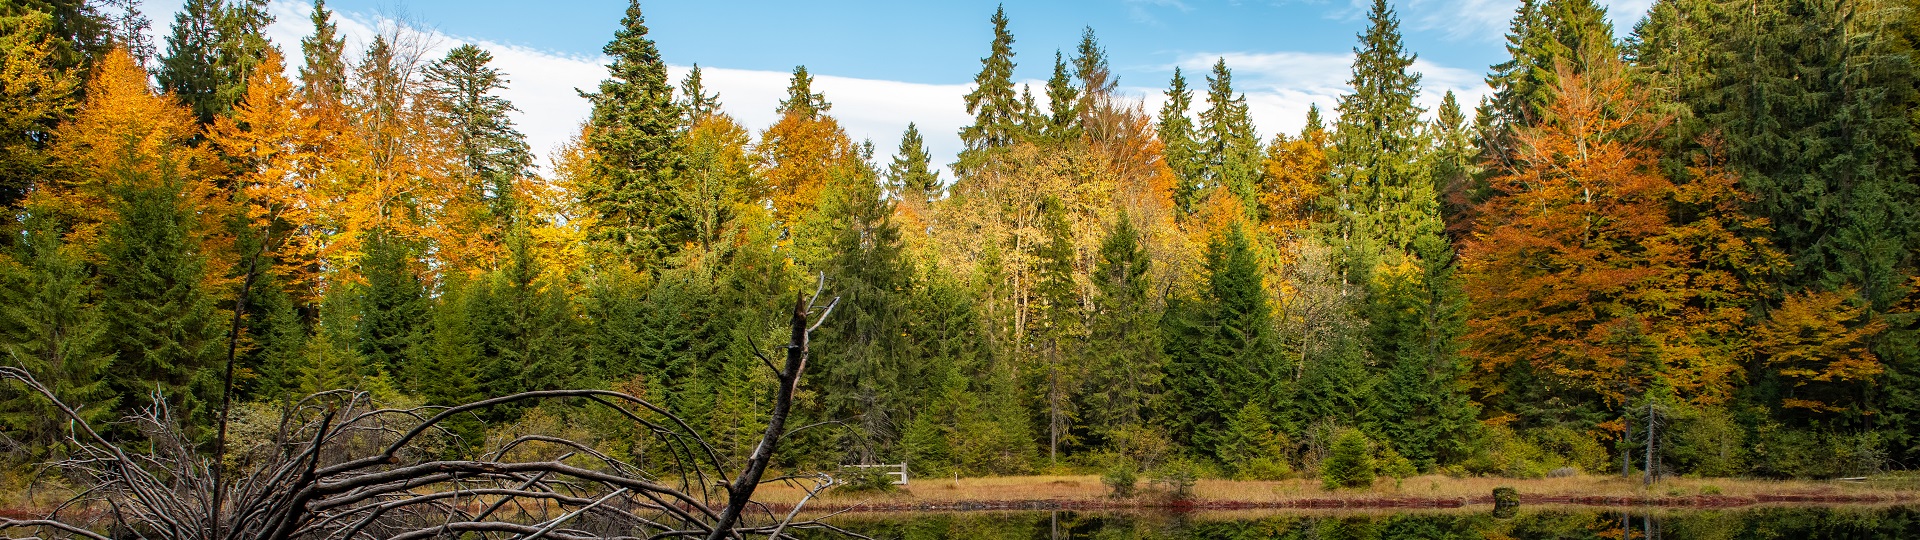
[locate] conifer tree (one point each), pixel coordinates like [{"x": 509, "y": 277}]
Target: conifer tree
[
  {"x": 996, "y": 111},
  {"x": 1221, "y": 354},
  {"x": 1183, "y": 153},
  {"x": 635, "y": 139},
  {"x": 1090, "y": 68},
  {"x": 491, "y": 153},
  {"x": 1123, "y": 337},
  {"x": 392, "y": 325},
  {"x": 162, "y": 324},
  {"x": 910, "y": 177},
  {"x": 51, "y": 327},
  {"x": 187, "y": 69},
  {"x": 1229, "y": 151},
  {"x": 1380, "y": 191},
  {"x": 694, "y": 98},
  {"x": 1063, "y": 104},
  {"x": 524, "y": 328},
  {"x": 1060, "y": 329},
  {"x": 323, "y": 74}
]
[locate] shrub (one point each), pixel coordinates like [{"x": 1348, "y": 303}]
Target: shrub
[
  {"x": 1120, "y": 480},
  {"x": 1176, "y": 477},
  {"x": 865, "y": 480},
  {"x": 1349, "y": 466},
  {"x": 1395, "y": 465}
]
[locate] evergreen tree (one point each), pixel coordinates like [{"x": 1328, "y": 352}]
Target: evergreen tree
[
  {"x": 1183, "y": 153},
  {"x": 242, "y": 48},
  {"x": 1063, "y": 104},
  {"x": 323, "y": 76},
  {"x": 1059, "y": 330},
  {"x": 491, "y": 153},
  {"x": 162, "y": 325},
  {"x": 1229, "y": 151},
  {"x": 1456, "y": 178},
  {"x": 1545, "y": 34},
  {"x": 50, "y": 327},
  {"x": 392, "y": 324},
  {"x": 1124, "y": 347},
  {"x": 1221, "y": 352},
  {"x": 523, "y": 328},
  {"x": 801, "y": 100},
  {"x": 1091, "y": 69},
  {"x": 996, "y": 110},
  {"x": 1381, "y": 193},
  {"x": 635, "y": 140},
  {"x": 1351, "y": 464},
  {"x": 694, "y": 98},
  {"x": 187, "y": 69},
  {"x": 910, "y": 177}
]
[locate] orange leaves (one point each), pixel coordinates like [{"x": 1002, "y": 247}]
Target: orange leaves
[
  {"x": 1820, "y": 343},
  {"x": 1292, "y": 179},
  {"x": 123, "y": 134},
  {"x": 800, "y": 155},
  {"x": 263, "y": 143}
]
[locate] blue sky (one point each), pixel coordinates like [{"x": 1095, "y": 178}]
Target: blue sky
[{"x": 885, "y": 63}]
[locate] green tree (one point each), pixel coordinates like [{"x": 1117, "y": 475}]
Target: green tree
[
  {"x": 162, "y": 325},
  {"x": 50, "y": 327},
  {"x": 911, "y": 177},
  {"x": 491, "y": 154},
  {"x": 694, "y": 98},
  {"x": 1220, "y": 350},
  {"x": 323, "y": 76},
  {"x": 391, "y": 326},
  {"x": 1229, "y": 151},
  {"x": 213, "y": 48},
  {"x": 1350, "y": 465},
  {"x": 1381, "y": 191},
  {"x": 1182, "y": 152},
  {"x": 1063, "y": 104},
  {"x": 1124, "y": 346},
  {"x": 1058, "y": 369},
  {"x": 636, "y": 147},
  {"x": 996, "y": 110}
]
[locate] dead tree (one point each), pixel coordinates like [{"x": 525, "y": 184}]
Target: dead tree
[{"x": 341, "y": 468}]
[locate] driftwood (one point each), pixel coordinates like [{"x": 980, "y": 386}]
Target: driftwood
[{"x": 341, "y": 468}]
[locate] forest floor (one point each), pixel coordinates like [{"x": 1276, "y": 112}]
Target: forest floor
[{"x": 1088, "y": 493}]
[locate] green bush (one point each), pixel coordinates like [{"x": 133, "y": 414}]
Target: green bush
[
  {"x": 1395, "y": 465},
  {"x": 1176, "y": 478},
  {"x": 1350, "y": 465},
  {"x": 1120, "y": 480},
  {"x": 865, "y": 480}
]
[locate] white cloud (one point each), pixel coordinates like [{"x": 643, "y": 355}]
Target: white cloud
[
  {"x": 1281, "y": 85},
  {"x": 1479, "y": 20}
]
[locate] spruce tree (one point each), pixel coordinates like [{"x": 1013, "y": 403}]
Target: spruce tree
[
  {"x": 50, "y": 326},
  {"x": 864, "y": 374},
  {"x": 1063, "y": 104},
  {"x": 187, "y": 69},
  {"x": 392, "y": 324},
  {"x": 323, "y": 75},
  {"x": 1091, "y": 69},
  {"x": 1380, "y": 190},
  {"x": 996, "y": 111},
  {"x": 1059, "y": 330},
  {"x": 694, "y": 98},
  {"x": 801, "y": 100},
  {"x": 1221, "y": 353},
  {"x": 491, "y": 153},
  {"x": 39, "y": 89},
  {"x": 910, "y": 177},
  {"x": 1123, "y": 338},
  {"x": 162, "y": 325},
  {"x": 635, "y": 140},
  {"x": 1183, "y": 153},
  {"x": 1229, "y": 151}
]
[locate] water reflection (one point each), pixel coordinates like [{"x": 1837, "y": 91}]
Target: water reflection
[{"x": 1655, "y": 524}]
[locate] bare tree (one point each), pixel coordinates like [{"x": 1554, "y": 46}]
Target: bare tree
[{"x": 340, "y": 467}]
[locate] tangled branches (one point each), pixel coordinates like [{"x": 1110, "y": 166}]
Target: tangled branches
[{"x": 339, "y": 467}]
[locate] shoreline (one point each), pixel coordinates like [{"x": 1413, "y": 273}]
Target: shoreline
[{"x": 1087, "y": 493}]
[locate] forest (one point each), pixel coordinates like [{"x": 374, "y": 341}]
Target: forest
[{"x": 1696, "y": 242}]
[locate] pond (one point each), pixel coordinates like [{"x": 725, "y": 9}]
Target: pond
[{"x": 1814, "y": 523}]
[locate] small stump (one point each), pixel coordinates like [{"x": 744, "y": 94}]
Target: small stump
[{"x": 1506, "y": 502}]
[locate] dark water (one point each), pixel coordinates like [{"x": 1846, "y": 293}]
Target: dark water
[{"x": 1762, "y": 523}]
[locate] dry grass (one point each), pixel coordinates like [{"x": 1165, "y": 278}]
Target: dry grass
[{"x": 1089, "y": 488}]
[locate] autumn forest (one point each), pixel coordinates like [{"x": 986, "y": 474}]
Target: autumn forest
[{"x": 1688, "y": 251}]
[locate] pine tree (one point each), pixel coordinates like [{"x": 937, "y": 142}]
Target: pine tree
[
  {"x": 1456, "y": 175},
  {"x": 694, "y": 98},
  {"x": 1229, "y": 150},
  {"x": 1381, "y": 192},
  {"x": 1060, "y": 330},
  {"x": 1123, "y": 338},
  {"x": 1090, "y": 68},
  {"x": 910, "y": 177},
  {"x": 996, "y": 110},
  {"x": 50, "y": 326},
  {"x": 524, "y": 328},
  {"x": 323, "y": 74},
  {"x": 491, "y": 154},
  {"x": 1183, "y": 153},
  {"x": 187, "y": 69},
  {"x": 162, "y": 325},
  {"x": 242, "y": 48},
  {"x": 636, "y": 144}
]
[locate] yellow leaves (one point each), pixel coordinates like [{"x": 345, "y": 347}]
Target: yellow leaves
[
  {"x": 799, "y": 156},
  {"x": 1820, "y": 343},
  {"x": 33, "y": 93},
  {"x": 1291, "y": 181},
  {"x": 263, "y": 142},
  {"x": 122, "y": 134}
]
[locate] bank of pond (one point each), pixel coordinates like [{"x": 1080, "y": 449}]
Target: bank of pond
[{"x": 1767, "y": 522}]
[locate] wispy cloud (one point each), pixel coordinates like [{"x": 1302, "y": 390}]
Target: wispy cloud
[
  {"x": 1141, "y": 11},
  {"x": 1280, "y": 86},
  {"x": 1479, "y": 20}
]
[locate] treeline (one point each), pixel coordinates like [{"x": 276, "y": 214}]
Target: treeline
[{"x": 1703, "y": 234}]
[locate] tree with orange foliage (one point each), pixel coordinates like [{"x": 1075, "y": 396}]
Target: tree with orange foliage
[
  {"x": 1820, "y": 344},
  {"x": 1292, "y": 179},
  {"x": 804, "y": 151},
  {"x": 1594, "y": 277}
]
